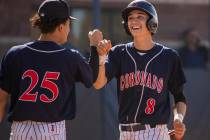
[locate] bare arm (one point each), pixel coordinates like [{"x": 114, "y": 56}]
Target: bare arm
[
  {"x": 4, "y": 96},
  {"x": 101, "y": 79},
  {"x": 103, "y": 46},
  {"x": 180, "y": 108},
  {"x": 179, "y": 114}
]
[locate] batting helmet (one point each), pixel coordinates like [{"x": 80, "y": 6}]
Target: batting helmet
[{"x": 145, "y": 6}]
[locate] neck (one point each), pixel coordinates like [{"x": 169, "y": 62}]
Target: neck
[
  {"x": 49, "y": 37},
  {"x": 143, "y": 43}
]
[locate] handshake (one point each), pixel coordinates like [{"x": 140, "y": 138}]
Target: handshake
[{"x": 103, "y": 46}]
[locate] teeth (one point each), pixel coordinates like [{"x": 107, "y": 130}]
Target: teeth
[{"x": 135, "y": 28}]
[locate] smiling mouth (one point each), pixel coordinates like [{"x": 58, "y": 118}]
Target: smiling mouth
[{"x": 135, "y": 28}]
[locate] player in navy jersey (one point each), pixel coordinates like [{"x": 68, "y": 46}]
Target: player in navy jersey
[
  {"x": 39, "y": 78},
  {"x": 146, "y": 72}
]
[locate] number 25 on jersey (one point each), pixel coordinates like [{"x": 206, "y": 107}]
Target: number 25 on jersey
[{"x": 46, "y": 83}]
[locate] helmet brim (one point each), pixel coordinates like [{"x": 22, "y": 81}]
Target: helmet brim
[{"x": 72, "y": 18}]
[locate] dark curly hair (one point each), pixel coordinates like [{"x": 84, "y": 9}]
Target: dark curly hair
[{"x": 46, "y": 25}]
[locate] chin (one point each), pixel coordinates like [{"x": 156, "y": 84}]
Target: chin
[{"x": 136, "y": 34}]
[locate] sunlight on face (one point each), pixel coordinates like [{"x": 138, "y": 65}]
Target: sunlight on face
[{"x": 137, "y": 21}]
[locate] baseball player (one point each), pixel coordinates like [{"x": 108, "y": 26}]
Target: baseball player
[
  {"x": 39, "y": 78},
  {"x": 146, "y": 73}
]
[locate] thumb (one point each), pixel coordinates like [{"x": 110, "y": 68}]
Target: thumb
[
  {"x": 110, "y": 44},
  {"x": 90, "y": 34}
]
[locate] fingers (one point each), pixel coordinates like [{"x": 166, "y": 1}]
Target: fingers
[
  {"x": 95, "y": 37},
  {"x": 90, "y": 34},
  {"x": 109, "y": 45},
  {"x": 179, "y": 129},
  {"x": 104, "y": 47},
  {"x": 171, "y": 132}
]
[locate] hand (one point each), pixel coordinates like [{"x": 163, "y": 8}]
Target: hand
[
  {"x": 104, "y": 47},
  {"x": 179, "y": 129},
  {"x": 95, "y": 37}
]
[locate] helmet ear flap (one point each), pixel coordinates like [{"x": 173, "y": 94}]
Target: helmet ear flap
[
  {"x": 152, "y": 25},
  {"x": 125, "y": 25}
]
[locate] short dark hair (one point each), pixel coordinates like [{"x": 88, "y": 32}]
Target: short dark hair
[{"x": 46, "y": 25}]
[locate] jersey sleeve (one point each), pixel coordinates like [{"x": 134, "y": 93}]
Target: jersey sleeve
[
  {"x": 83, "y": 70},
  {"x": 112, "y": 64},
  {"x": 177, "y": 77}
]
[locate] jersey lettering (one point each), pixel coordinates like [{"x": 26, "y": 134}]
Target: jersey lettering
[
  {"x": 122, "y": 83},
  {"x": 138, "y": 78},
  {"x": 141, "y": 78},
  {"x": 46, "y": 84},
  {"x": 149, "y": 81},
  {"x": 131, "y": 79},
  {"x": 126, "y": 80}
]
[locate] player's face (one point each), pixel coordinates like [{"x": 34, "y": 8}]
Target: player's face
[{"x": 137, "y": 23}]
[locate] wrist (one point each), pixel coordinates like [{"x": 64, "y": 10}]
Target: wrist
[
  {"x": 94, "y": 44},
  {"x": 179, "y": 117},
  {"x": 102, "y": 59}
]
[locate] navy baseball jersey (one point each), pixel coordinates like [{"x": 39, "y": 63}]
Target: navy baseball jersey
[
  {"x": 144, "y": 81},
  {"x": 40, "y": 77}
]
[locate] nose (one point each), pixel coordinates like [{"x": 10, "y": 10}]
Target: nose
[{"x": 135, "y": 19}]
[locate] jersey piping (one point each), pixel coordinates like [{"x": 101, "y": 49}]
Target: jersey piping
[{"x": 45, "y": 51}]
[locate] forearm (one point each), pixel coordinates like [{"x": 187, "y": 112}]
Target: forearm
[
  {"x": 101, "y": 79},
  {"x": 180, "y": 108},
  {"x": 99, "y": 51},
  {"x": 98, "y": 67},
  {"x": 2, "y": 110},
  {"x": 3, "y": 103},
  {"x": 178, "y": 125},
  {"x": 93, "y": 62}
]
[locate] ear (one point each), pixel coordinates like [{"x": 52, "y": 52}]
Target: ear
[
  {"x": 60, "y": 27},
  {"x": 125, "y": 25}
]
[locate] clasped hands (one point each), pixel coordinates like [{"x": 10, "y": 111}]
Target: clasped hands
[{"x": 96, "y": 39}]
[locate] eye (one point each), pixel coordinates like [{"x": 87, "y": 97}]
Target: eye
[
  {"x": 141, "y": 17},
  {"x": 130, "y": 18},
  {"x": 137, "y": 17}
]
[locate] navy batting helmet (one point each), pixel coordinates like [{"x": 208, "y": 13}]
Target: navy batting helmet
[{"x": 148, "y": 8}]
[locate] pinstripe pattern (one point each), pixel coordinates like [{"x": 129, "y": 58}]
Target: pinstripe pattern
[
  {"x": 30, "y": 130},
  {"x": 160, "y": 132}
]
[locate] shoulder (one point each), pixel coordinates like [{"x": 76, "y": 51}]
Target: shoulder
[
  {"x": 12, "y": 55},
  {"x": 121, "y": 47},
  {"x": 169, "y": 54},
  {"x": 15, "y": 50},
  {"x": 74, "y": 54},
  {"x": 72, "y": 51},
  {"x": 168, "y": 51}
]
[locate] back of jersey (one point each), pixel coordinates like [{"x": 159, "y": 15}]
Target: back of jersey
[{"x": 44, "y": 76}]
